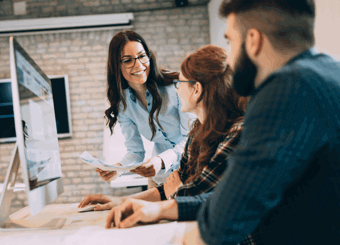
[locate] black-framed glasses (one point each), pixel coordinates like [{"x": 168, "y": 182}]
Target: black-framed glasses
[
  {"x": 129, "y": 62},
  {"x": 177, "y": 82}
]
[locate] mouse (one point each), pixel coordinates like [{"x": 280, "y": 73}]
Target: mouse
[{"x": 88, "y": 208}]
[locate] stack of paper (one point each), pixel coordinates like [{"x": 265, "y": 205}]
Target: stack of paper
[{"x": 97, "y": 163}]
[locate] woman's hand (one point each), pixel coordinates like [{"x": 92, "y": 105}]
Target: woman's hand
[
  {"x": 107, "y": 175},
  {"x": 150, "y": 168},
  {"x": 173, "y": 182},
  {"x": 106, "y": 201}
]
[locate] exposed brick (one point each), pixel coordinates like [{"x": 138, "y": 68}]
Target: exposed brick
[
  {"x": 61, "y": 7},
  {"x": 172, "y": 33},
  {"x": 84, "y": 173},
  {"x": 47, "y": 10}
]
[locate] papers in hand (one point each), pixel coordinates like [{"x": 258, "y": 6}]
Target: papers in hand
[{"x": 97, "y": 163}]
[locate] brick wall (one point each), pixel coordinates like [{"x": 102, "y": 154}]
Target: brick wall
[{"x": 171, "y": 33}]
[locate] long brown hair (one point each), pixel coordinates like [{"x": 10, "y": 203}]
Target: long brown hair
[
  {"x": 116, "y": 82},
  {"x": 224, "y": 107}
]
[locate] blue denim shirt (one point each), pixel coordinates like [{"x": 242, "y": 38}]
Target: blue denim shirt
[{"x": 170, "y": 142}]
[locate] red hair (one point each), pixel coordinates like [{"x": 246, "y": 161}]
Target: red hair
[{"x": 224, "y": 107}]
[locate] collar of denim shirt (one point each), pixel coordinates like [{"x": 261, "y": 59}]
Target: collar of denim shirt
[{"x": 132, "y": 94}]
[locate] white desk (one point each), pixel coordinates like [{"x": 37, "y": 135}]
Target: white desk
[
  {"x": 130, "y": 180},
  {"x": 88, "y": 229}
]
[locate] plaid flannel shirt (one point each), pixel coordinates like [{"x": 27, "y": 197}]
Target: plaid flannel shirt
[
  {"x": 211, "y": 173},
  {"x": 282, "y": 183}
]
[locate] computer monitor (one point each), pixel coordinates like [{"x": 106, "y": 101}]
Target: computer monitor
[{"x": 36, "y": 133}]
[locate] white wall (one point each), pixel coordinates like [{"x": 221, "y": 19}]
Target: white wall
[
  {"x": 217, "y": 25},
  {"x": 327, "y": 33}
]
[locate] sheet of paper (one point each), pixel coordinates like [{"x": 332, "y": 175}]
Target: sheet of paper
[{"x": 97, "y": 163}]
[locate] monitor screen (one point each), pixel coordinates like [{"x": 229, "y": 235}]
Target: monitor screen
[
  {"x": 7, "y": 130},
  {"x": 61, "y": 101},
  {"x": 36, "y": 130}
]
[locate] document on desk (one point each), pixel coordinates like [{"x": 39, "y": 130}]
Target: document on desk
[{"x": 97, "y": 163}]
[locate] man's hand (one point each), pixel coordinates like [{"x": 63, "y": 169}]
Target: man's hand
[
  {"x": 107, "y": 175},
  {"x": 106, "y": 201},
  {"x": 150, "y": 168},
  {"x": 173, "y": 182},
  {"x": 133, "y": 211}
]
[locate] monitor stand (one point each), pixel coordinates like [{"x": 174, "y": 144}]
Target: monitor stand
[{"x": 7, "y": 195}]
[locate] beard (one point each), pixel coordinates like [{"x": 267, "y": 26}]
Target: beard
[{"x": 244, "y": 74}]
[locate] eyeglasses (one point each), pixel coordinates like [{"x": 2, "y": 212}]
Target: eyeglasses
[
  {"x": 129, "y": 62},
  {"x": 176, "y": 82}
]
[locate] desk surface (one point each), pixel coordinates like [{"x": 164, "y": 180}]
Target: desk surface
[
  {"x": 129, "y": 180},
  {"x": 88, "y": 229}
]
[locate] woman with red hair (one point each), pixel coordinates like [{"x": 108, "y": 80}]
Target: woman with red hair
[{"x": 205, "y": 89}]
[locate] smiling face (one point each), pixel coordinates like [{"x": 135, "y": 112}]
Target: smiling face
[
  {"x": 185, "y": 93},
  {"x": 137, "y": 74}
]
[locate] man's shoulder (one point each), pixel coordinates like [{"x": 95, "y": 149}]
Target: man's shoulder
[
  {"x": 318, "y": 72},
  {"x": 311, "y": 67}
]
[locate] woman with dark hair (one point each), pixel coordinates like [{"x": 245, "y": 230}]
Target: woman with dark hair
[
  {"x": 143, "y": 102},
  {"x": 204, "y": 89}
]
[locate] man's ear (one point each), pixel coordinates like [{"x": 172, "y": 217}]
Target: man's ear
[{"x": 254, "y": 42}]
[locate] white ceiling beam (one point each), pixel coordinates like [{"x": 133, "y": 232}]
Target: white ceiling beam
[{"x": 10, "y": 27}]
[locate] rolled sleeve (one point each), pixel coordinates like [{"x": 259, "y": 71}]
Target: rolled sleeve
[
  {"x": 188, "y": 206},
  {"x": 170, "y": 158}
]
